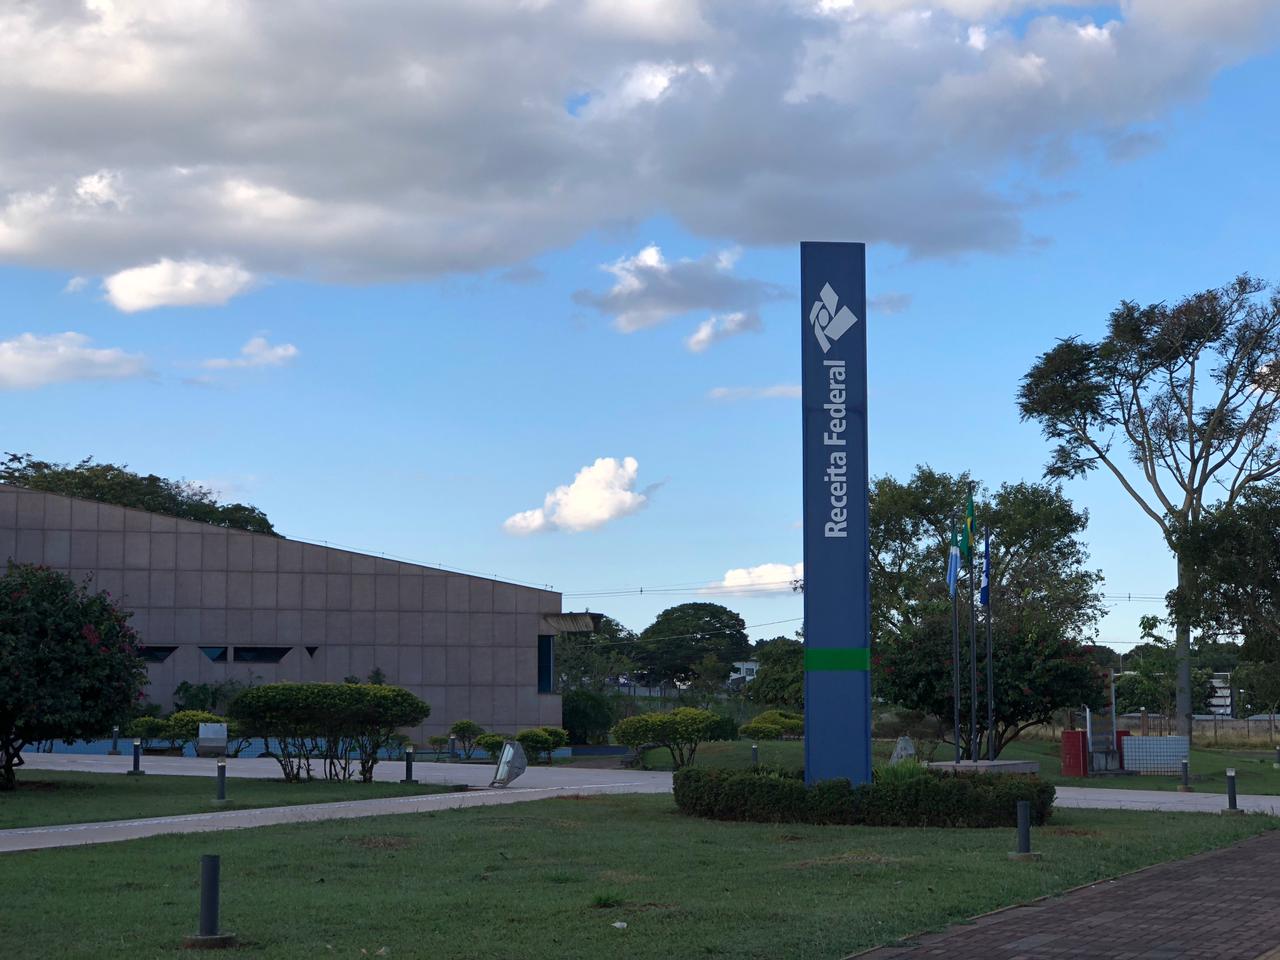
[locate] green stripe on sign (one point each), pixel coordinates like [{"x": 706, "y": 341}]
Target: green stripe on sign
[{"x": 854, "y": 658}]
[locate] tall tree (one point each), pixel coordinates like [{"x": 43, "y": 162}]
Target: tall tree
[
  {"x": 1234, "y": 558},
  {"x": 69, "y": 667},
  {"x": 1039, "y": 670},
  {"x": 118, "y": 485},
  {"x": 1178, "y": 403},
  {"x": 1044, "y": 597},
  {"x": 1037, "y": 557},
  {"x": 779, "y": 679},
  {"x": 672, "y": 648},
  {"x": 594, "y": 661}
]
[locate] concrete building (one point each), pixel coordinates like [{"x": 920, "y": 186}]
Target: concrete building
[{"x": 212, "y": 604}]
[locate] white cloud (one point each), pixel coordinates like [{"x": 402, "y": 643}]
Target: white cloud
[
  {"x": 257, "y": 352},
  {"x": 175, "y": 283},
  {"x": 788, "y": 391},
  {"x": 600, "y": 492},
  {"x": 649, "y": 289},
  {"x": 76, "y": 284},
  {"x": 100, "y": 189},
  {"x": 890, "y": 303},
  {"x": 398, "y": 139},
  {"x": 717, "y": 328},
  {"x": 30, "y": 360},
  {"x": 765, "y": 578}
]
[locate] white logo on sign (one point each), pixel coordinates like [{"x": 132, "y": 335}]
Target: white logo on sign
[{"x": 828, "y": 323}]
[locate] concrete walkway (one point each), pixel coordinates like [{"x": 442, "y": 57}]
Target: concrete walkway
[
  {"x": 471, "y": 774},
  {"x": 1220, "y": 905},
  {"x": 537, "y": 783},
  {"x": 1091, "y": 798}
]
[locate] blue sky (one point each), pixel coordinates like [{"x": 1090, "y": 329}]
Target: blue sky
[{"x": 441, "y": 384}]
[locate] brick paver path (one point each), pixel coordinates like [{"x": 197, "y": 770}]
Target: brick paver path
[{"x": 1221, "y": 905}]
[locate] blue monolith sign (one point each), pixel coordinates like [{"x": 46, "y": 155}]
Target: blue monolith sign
[{"x": 837, "y": 593}]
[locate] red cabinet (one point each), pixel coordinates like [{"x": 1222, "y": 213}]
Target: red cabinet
[{"x": 1075, "y": 753}]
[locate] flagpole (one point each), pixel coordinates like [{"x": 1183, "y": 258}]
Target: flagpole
[
  {"x": 955, "y": 665},
  {"x": 991, "y": 682},
  {"x": 974, "y": 749}
]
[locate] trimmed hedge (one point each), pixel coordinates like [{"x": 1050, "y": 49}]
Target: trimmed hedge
[
  {"x": 342, "y": 724},
  {"x": 925, "y": 800}
]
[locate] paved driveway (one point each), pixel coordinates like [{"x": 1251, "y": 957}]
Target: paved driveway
[
  {"x": 471, "y": 774},
  {"x": 1221, "y": 905},
  {"x": 537, "y": 783}
]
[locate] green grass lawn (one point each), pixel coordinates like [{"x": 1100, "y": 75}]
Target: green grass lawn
[
  {"x": 1254, "y": 773},
  {"x": 47, "y": 797},
  {"x": 549, "y": 879}
]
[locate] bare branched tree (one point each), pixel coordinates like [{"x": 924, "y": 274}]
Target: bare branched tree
[{"x": 1179, "y": 403}]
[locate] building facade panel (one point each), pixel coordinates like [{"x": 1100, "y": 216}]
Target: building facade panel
[{"x": 257, "y": 608}]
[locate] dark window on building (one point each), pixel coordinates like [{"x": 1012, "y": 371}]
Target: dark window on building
[
  {"x": 260, "y": 654},
  {"x": 156, "y": 654},
  {"x": 311, "y": 651},
  {"x": 546, "y": 664},
  {"x": 216, "y": 654}
]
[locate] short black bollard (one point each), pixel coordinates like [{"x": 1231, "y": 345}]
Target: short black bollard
[
  {"x": 755, "y": 755},
  {"x": 1185, "y": 786},
  {"x": 115, "y": 742},
  {"x": 1023, "y": 853},
  {"x": 1232, "y": 805},
  {"x": 209, "y": 938},
  {"x": 222, "y": 782},
  {"x": 408, "y": 765},
  {"x": 137, "y": 770}
]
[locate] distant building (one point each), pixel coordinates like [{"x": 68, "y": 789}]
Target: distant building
[
  {"x": 743, "y": 672},
  {"x": 211, "y": 604}
]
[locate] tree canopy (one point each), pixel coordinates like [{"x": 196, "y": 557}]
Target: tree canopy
[
  {"x": 779, "y": 679},
  {"x": 1179, "y": 403},
  {"x": 1045, "y": 599},
  {"x": 1038, "y": 560},
  {"x": 1234, "y": 586},
  {"x": 675, "y": 647},
  {"x": 69, "y": 667},
  {"x": 1150, "y": 680},
  {"x": 109, "y": 483},
  {"x": 593, "y": 661}
]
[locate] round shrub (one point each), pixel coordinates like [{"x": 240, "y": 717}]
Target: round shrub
[
  {"x": 491, "y": 743},
  {"x": 680, "y": 731},
  {"x": 587, "y": 716},
  {"x": 725, "y": 728},
  {"x": 184, "y": 726},
  {"x": 466, "y": 732},
  {"x": 536, "y": 742},
  {"x": 789, "y": 722},
  {"x": 149, "y": 730},
  {"x": 756, "y": 730}
]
